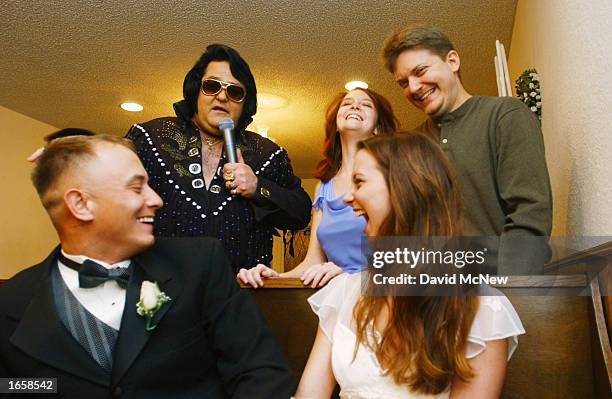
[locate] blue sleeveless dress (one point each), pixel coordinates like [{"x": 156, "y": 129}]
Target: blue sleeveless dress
[{"x": 340, "y": 232}]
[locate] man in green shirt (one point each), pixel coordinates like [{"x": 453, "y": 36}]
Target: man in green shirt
[{"x": 495, "y": 144}]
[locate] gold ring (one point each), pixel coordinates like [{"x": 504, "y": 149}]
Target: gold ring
[
  {"x": 232, "y": 184},
  {"x": 229, "y": 175}
]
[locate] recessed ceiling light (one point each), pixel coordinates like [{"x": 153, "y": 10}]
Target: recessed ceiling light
[
  {"x": 270, "y": 101},
  {"x": 355, "y": 84},
  {"x": 132, "y": 107}
]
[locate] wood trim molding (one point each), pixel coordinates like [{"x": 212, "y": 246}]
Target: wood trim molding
[
  {"x": 600, "y": 251},
  {"x": 570, "y": 281},
  {"x": 602, "y": 332},
  {"x": 561, "y": 281},
  {"x": 277, "y": 282}
]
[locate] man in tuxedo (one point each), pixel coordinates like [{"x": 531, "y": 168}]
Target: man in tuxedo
[{"x": 74, "y": 316}]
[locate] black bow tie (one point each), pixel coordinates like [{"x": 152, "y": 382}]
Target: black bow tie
[{"x": 92, "y": 274}]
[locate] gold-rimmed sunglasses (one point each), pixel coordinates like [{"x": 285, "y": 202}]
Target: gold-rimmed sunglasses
[{"x": 212, "y": 87}]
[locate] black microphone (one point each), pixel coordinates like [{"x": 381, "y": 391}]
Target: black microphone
[{"x": 226, "y": 125}]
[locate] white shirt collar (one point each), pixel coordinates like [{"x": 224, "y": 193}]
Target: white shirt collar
[{"x": 82, "y": 258}]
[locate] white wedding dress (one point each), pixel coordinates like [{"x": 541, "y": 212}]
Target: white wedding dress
[{"x": 363, "y": 377}]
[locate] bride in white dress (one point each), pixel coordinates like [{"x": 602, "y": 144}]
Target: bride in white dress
[{"x": 403, "y": 347}]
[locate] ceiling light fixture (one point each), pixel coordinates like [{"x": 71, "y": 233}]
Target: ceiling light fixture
[
  {"x": 131, "y": 107},
  {"x": 270, "y": 101},
  {"x": 355, "y": 84}
]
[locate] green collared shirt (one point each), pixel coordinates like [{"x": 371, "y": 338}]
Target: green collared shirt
[{"x": 497, "y": 148}]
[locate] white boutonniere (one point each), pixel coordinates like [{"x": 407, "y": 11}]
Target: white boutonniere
[{"x": 151, "y": 300}]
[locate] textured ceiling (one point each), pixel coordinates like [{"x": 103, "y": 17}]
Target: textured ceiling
[{"x": 71, "y": 64}]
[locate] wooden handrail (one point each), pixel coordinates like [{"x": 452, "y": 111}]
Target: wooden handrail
[
  {"x": 597, "y": 262},
  {"x": 600, "y": 324},
  {"x": 600, "y": 251},
  {"x": 568, "y": 281},
  {"x": 277, "y": 282}
]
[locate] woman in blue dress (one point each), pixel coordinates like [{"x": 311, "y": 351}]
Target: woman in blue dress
[{"x": 335, "y": 244}]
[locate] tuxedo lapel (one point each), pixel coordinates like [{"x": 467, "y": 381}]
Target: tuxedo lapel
[
  {"x": 41, "y": 334},
  {"x": 133, "y": 335}
]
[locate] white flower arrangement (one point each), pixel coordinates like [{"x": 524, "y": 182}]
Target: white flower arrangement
[
  {"x": 528, "y": 91},
  {"x": 151, "y": 300}
]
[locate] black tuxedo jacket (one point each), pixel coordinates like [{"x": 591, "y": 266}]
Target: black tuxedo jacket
[{"x": 211, "y": 340}]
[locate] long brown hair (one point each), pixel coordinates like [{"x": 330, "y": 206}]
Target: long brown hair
[
  {"x": 387, "y": 124},
  {"x": 424, "y": 341}
]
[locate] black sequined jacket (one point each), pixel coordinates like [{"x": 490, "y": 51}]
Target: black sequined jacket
[{"x": 171, "y": 151}]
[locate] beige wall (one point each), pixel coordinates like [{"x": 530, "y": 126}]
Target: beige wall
[
  {"x": 568, "y": 42},
  {"x": 27, "y": 234},
  {"x": 310, "y": 185}
]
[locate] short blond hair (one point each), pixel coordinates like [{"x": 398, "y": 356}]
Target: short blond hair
[{"x": 63, "y": 155}]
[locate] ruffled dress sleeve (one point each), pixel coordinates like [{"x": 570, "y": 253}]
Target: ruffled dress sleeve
[
  {"x": 333, "y": 303},
  {"x": 495, "y": 319}
]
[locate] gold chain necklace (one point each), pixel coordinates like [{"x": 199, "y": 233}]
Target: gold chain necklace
[{"x": 211, "y": 141}]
